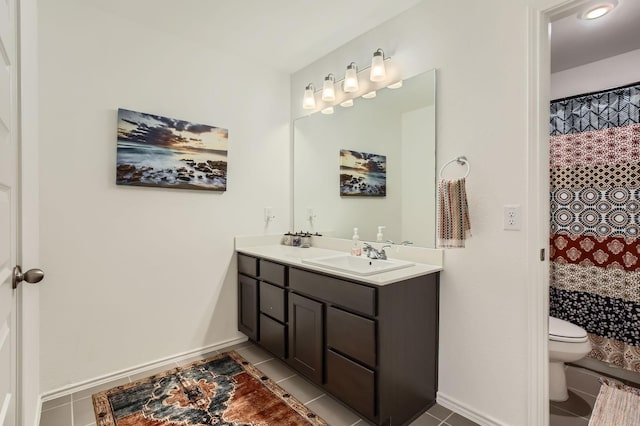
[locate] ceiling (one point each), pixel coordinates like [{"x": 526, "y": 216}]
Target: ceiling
[
  {"x": 576, "y": 42},
  {"x": 285, "y": 34},
  {"x": 290, "y": 34}
]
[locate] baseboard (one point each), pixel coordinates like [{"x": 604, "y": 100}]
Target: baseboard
[
  {"x": 466, "y": 411},
  {"x": 88, "y": 384}
]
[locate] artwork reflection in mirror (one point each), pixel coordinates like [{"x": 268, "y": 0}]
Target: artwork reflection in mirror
[
  {"x": 398, "y": 124},
  {"x": 362, "y": 174}
]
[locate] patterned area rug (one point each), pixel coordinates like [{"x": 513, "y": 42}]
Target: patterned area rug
[
  {"x": 224, "y": 390},
  {"x": 616, "y": 405}
]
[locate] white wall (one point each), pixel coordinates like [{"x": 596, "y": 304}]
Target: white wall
[
  {"x": 480, "y": 51},
  {"x": 137, "y": 274},
  {"x": 608, "y": 73}
]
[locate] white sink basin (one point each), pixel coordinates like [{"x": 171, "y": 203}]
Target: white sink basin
[{"x": 357, "y": 265}]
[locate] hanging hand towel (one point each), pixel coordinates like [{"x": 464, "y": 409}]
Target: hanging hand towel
[{"x": 453, "y": 214}]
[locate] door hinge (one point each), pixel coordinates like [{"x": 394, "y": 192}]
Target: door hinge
[{"x": 541, "y": 255}]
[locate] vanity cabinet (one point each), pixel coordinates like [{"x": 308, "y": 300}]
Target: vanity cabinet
[{"x": 374, "y": 347}]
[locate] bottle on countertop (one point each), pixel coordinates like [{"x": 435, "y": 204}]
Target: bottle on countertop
[
  {"x": 356, "y": 250},
  {"x": 296, "y": 240},
  {"x": 286, "y": 239},
  {"x": 305, "y": 241},
  {"x": 380, "y": 237}
]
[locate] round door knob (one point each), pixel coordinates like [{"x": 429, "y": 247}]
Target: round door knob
[{"x": 31, "y": 276}]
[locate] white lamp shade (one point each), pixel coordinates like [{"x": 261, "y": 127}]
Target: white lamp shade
[
  {"x": 348, "y": 103},
  {"x": 309, "y": 101},
  {"x": 378, "y": 72},
  {"x": 351, "y": 79},
  {"x": 328, "y": 110},
  {"x": 328, "y": 89}
]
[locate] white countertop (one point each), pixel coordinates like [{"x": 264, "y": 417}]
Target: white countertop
[{"x": 293, "y": 256}]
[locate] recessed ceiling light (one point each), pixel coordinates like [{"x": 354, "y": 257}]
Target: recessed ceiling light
[{"x": 598, "y": 10}]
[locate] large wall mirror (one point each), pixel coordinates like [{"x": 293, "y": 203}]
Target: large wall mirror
[{"x": 398, "y": 124}]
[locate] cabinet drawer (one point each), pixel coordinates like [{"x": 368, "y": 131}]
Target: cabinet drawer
[
  {"x": 247, "y": 265},
  {"x": 273, "y": 336},
  {"x": 352, "y": 335},
  {"x": 353, "y": 296},
  {"x": 273, "y": 272},
  {"x": 352, "y": 383},
  {"x": 272, "y": 301}
]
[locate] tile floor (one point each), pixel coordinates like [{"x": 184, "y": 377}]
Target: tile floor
[
  {"x": 583, "y": 389},
  {"x": 77, "y": 409}
]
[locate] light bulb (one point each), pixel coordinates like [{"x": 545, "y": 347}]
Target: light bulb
[
  {"x": 370, "y": 95},
  {"x": 309, "y": 101},
  {"x": 351, "y": 78},
  {"x": 348, "y": 103},
  {"x": 378, "y": 73},
  {"x": 328, "y": 110},
  {"x": 328, "y": 90}
]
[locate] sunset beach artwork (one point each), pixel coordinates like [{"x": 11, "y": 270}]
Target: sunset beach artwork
[
  {"x": 165, "y": 152},
  {"x": 363, "y": 174}
]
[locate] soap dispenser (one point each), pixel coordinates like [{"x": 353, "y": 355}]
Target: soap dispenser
[
  {"x": 355, "y": 248},
  {"x": 380, "y": 237}
]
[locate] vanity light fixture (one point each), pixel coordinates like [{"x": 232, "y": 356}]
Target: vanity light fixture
[
  {"x": 351, "y": 78},
  {"x": 350, "y": 87},
  {"x": 309, "y": 101},
  {"x": 598, "y": 9},
  {"x": 328, "y": 88},
  {"x": 378, "y": 72}
]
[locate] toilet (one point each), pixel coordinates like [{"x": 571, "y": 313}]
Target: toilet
[{"x": 567, "y": 343}]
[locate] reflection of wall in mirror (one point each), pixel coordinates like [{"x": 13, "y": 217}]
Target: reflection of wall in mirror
[
  {"x": 418, "y": 176},
  {"x": 317, "y": 144},
  {"x": 404, "y": 131}
]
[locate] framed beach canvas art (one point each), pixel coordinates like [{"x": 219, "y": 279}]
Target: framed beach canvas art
[
  {"x": 165, "y": 152},
  {"x": 362, "y": 174}
]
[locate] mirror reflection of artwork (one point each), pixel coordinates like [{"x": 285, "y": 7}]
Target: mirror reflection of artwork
[
  {"x": 165, "y": 152},
  {"x": 362, "y": 174}
]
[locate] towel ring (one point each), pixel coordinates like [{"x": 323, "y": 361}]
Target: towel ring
[{"x": 462, "y": 160}]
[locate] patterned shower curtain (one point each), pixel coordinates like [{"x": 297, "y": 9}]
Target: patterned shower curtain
[{"x": 595, "y": 220}]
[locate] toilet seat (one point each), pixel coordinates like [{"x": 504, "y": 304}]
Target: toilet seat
[{"x": 564, "y": 331}]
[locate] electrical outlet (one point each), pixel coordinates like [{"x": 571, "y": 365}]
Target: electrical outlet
[{"x": 512, "y": 218}]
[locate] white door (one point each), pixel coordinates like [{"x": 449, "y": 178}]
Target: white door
[{"x": 8, "y": 211}]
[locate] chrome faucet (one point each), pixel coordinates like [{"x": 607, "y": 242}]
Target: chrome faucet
[{"x": 372, "y": 253}]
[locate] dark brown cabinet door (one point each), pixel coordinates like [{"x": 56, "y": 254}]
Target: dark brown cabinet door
[
  {"x": 248, "y": 306},
  {"x": 305, "y": 336}
]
